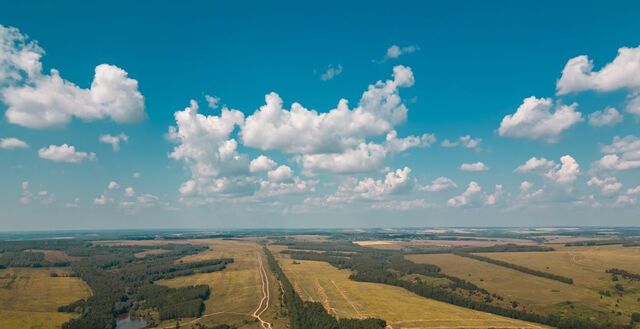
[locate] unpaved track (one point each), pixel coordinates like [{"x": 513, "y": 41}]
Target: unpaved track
[{"x": 264, "y": 302}]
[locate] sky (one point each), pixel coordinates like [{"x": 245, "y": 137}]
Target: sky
[{"x": 252, "y": 114}]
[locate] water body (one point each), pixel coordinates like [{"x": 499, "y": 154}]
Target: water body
[{"x": 129, "y": 323}]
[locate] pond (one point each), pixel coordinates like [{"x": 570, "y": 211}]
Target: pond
[{"x": 129, "y": 323}]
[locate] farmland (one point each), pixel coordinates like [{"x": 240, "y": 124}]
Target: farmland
[
  {"x": 321, "y": 282},
  {"x": 585, "y": 265},
  {"x": 236, "y": 292},
  {"x": 29, "y": 298}
]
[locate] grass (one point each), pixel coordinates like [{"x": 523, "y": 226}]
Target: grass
[
  {"x": 319, "y": 281},
  {"x": 235, "y": 291},
  {"x": 29, "y": 298},
  {"x": 585, "y": 265}
]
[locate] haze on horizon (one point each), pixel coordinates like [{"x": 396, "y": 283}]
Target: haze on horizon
[{"x": 262, "y": 115}]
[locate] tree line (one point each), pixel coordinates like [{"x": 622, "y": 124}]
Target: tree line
[
  {"x": 305, "y": 314},
  {"x": 518, "y": 268}
]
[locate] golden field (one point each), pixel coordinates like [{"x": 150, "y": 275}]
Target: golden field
[
  {"x": 30, "y": 297},
  {"x": 321, "y": 282}
]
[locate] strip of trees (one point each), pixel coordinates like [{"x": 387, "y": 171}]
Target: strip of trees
[
  {"x": 518, "y": 268},
  {"x": 305, "y": 314}
]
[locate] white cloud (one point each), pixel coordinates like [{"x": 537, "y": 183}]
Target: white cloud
[
  {"x": 102, "y": 200},
  {"x": 534, "y": 119},
  {"x": 113, "y": 185},
  {"x": 364, "y": 158},
  {"x": 27, "y": 197},
  {"x": 607, "y": 117},
  {"x": 394, "y": 52},
  {"x": 473, "y": 196},
  {"x": 621, "y": 154},
  {"x": 18, "y": 55},
  {"x": 527, "y": 192},
  {"x": 630, "y": 197},
  {"x": 292, "y": 186},
  {"x": 49, "y": 101},
  {"x": 606, "y": 185},
  {"x": 212, "y": 101},
  {"x": 438, "y": 184},
  {"x": 397, "y": 145},
  {"x": 477, "y": 166},
  {"x": 135, "y": 175},
  {"x": 281, "y": 174},
  {"x": 633, "y": 106},
  {"x": 205, "y": 147},
  {"x": 465, "y": 141},
  {"x": 622, "y": 72},
  {"x": 38, "y": 100},
  {"x": 261, "y": 163},
  {"x": 494, "y": 198},
  {"x": 564, "y": 173},
  {"x": 402, "y": 205},
  {"x": 331, "y": 72},
  {"x": 65, "y": 153},
  {"x": 467, "y": 197},
  {"x": 73, "y": 204},
  {"x": 394, "y": 182},
  {"x": 114, "y": 140},
  {"x": 300, "y": 130},
  {"x": 10, "y": 143}
]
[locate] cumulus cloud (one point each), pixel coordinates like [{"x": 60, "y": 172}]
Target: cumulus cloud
[
  {"x": 438, "y": 184},
  {"x": 402, "y": 205},
  {"x": 607, "y": 117},
  {"x": 633, "y": 107},
  {"x": 528, "y": 192},
  {"x": 395, "y": 51},
  {"x": 28, "y": 197},
  {"x": 397, "y": 145},
  {"x": 300, "y": 130},
  {"x": 564, "y": 173},
  {"x": 212, "y": 101},
  {"x": 281, "y": 174},
  {"x": 365, "y": 158},
  {"x": 629, "y": 197},
  {"x": 606, "y": 185},
  {"x": 622, "y": 72},
  {"x": 394, "y": 182},
  {"x": 65, "y": 153},
  {"x": 465, "y": 141},
  {"x": 261, "y": 163},
  {"x": 113, "y": 185},
  {"x": 38, "y": 100},
  {"x": 204, "y": 145},
  {"x": 535, "y": 119},
  {"x": 331, "y": 72},
  {"x": 472, "y": 192},
  {"x": 114, "y": 140},
  {"x": 476, "y": 166},
  {"x": 473, "y": 196},
  {"x": 10, "y": 143},
  {"x": 295, "y": 185},
  {"x": 622, "y": 154}
]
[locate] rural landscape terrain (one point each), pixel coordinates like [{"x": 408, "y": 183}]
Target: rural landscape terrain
[{"x": 334, "y": 279}]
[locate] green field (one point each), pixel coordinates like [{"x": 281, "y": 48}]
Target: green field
[
  {"x": 29, "y": 298},
  {"x": 321, "y": 282}
]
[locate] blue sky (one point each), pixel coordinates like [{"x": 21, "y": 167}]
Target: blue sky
[{"x": 446, "y": 71}]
